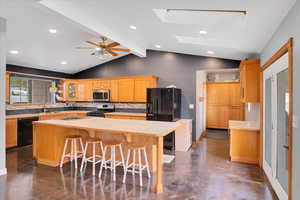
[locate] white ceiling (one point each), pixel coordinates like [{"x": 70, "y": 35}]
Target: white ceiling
[
  {"x": 28, "y": 23},
  {"x": 229, "y": 35}
]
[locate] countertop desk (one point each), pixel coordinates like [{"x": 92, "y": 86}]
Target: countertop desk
[{"x": 48, "y": 138}]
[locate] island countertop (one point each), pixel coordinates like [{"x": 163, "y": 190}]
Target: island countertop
[{"x": 152, "y": 128}]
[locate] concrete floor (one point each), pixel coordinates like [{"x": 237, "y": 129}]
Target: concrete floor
[{"x": 203, "y": 173}]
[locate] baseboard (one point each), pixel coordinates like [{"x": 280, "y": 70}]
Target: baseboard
[
  {"x": 195, "y": 143},
  {"x": 3, "y": 171}
]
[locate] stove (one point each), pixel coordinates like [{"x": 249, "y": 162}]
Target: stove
[{"x": 101, "y": 109}]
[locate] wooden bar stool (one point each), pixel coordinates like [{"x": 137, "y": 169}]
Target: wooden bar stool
[
  {"x": 74, "y": 153},
  {"x": 95, "y": 158},
  {"x": 113, "y": 163},
  {"x": 136, "y": 148}
]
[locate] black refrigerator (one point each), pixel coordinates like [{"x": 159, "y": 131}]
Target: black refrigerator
[{"x": 164, "y": 104}]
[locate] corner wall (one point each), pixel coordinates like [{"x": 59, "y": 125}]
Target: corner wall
[
  {"x": 2, "y": 94},
  {"x": 290, "y": 27}
]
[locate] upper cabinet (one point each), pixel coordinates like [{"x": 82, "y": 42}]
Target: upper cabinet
[
  {"x": 123, "y": 89},
  {"x": 250, "y": 80},
  {"x": 126, "y": 90},
  {"x": 140, "y": 88}
]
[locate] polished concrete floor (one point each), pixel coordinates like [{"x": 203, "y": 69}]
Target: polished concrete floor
[{"x": 203, "y": 173}]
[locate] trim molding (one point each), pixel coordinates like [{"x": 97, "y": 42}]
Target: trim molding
[
  {"x": 286, "y": 48},
  {"x": 197, "y": 141},
  {"x": 3, "y": 171}
]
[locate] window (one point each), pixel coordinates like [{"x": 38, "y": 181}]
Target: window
[{"x": 28, "y": 90}]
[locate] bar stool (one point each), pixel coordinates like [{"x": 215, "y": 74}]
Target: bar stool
[
  {"x": 113, "y": 163},
  {"x": 74, "y": 154},
  {"x": 136, "y": 148},
  {"x": 94, "y": 142}
]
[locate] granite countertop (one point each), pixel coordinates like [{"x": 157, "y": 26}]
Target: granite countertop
[
  {"x": 244, "y": 125},
  {"x": 126, "y": 114},
  {"x": 42, "y": 114},
  {"x": 144, "y": 127}
]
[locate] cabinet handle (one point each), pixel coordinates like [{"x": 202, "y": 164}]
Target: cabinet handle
[{"x": 286, "y": 147}]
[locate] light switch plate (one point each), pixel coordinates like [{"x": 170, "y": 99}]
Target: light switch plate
[
  {"x": 295, "y": 121},
  {"x": 191, "y": 106}
]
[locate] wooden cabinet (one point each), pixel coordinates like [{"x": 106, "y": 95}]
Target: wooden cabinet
[
  {"x": 250, "y": 80},
  {"x": 244, "y": 146},
  {"x": 223, "y": 104},
  {"x": 140, "y": 88},
  {"x": 11, "y": 133},
  {"x": 126, "y": 90},
  {"x": 123, "y": 89},
  {"x": 7, "y": 93},
  {"x": 114, "y": 90}
]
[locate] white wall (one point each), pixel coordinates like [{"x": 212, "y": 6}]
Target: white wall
[
  {"x": 2, "y": 93},
  {"x": 200, "y": 107}
]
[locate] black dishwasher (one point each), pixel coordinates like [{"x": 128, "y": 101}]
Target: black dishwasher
[{"x": 25, "y": 130}]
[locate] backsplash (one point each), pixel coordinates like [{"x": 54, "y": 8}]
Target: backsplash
[{"x": 28, "y": 109}]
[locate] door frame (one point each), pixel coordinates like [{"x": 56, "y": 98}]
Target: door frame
[{"x": 286, "y": 48}]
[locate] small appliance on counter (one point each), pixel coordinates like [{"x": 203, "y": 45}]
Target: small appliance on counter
[
  {"x": 101, "y": 95},
  {"x": 101, "y": 109},
  {"x": 164, "y": 104}
]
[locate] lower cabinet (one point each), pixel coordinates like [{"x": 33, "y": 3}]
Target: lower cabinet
[{"x": 11, "y": 133}]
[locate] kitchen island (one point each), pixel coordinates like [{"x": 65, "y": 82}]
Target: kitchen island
[{"x": 49, "y": 137}]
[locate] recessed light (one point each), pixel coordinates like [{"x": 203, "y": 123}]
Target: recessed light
[
  {"x": 203, "y": 32},
  {"x": 210, "y": 52},
  {"x": 157, "y": 46},
  {"x": 63, "y": 62},
  {"x": 132, "y": 27},
  {"x": 51, "y": 30},
  {"x": 14, "y": 52}
]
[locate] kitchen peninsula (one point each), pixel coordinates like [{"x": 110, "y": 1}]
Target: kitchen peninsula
[{"x": 49, "y": 136}]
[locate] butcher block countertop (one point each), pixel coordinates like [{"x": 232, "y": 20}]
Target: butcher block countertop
[
  {"x": 43, "y": 114},
  {"x": 126, "y": 114},
  {"x": 244, "y": 125},
  {"x": 143, "y": 127}
]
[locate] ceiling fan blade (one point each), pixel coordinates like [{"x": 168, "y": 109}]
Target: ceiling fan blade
[
  {"x": 113, "y": 44},
  {"x": 111, "y": 52},
  {"x": 118, "y": 49},
  {"x": 93, "y": 54},
  {"x": 93, "y": 43}
]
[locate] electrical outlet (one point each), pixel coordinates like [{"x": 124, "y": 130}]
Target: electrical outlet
[
  {"x": 295, "y": 121},
  {"x": 191, "y": 106}
]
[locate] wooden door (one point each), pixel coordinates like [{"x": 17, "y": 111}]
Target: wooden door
[
  {"x": 126, "y": 90},
  {"x": 11, "y": 133},
  {"x": 140, "y": 89},
  {"x": 114, "y": 91}
]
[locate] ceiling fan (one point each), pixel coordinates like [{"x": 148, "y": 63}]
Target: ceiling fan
[{"x": 102, "y": 48}]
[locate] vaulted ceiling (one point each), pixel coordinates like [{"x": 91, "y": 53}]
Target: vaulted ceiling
[{"x": 228, "y": 35}]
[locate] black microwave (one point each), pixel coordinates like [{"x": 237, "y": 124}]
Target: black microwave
[{"x": 101, "y": 95}]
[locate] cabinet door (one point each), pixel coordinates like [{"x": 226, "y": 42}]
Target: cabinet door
[
  {"x": 81, "y": 91},
  {"x": 223, "y": 116},
  {"x": 101, "y": 84},
  {"x": 140, "y": 89},
  {"x": 234, "y": 94},
  {"x": 126, "y": 90},
  {"x": 114, "y": 96},
  {"x": 88, "y": 92},
  {"x": 236, "y": 112},
  {"x": 217, "y": 93},
  {"x": 212, "y": 116},
  {"x": 71, "y": 90},
  {"x": 11, "y": 133}
]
